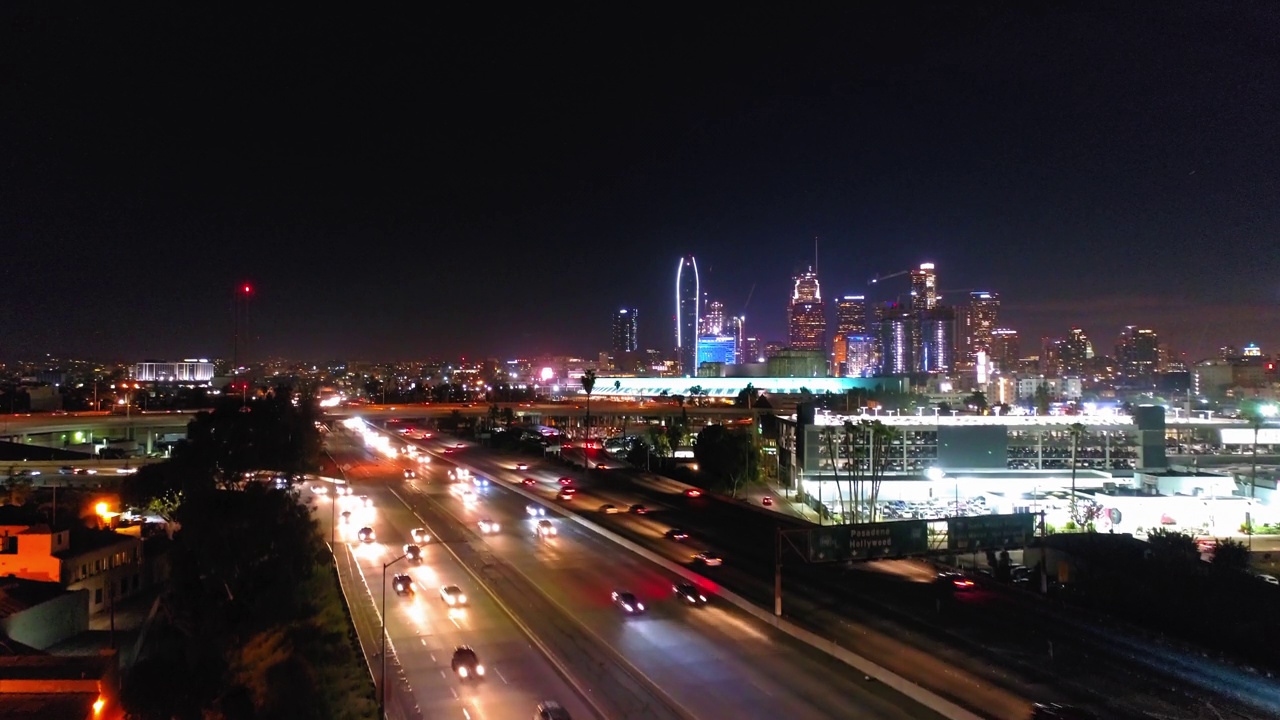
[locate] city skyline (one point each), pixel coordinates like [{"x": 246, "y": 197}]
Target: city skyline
[{"x": 400, "y": 221}]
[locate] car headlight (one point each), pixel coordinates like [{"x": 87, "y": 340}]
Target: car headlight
[
  {"x": 479, "y": 669},
  {"x": 640, "y": 606},
  {"x": 495, "y": 527},
  {"x": 462, "y": 598},
  {"x": 626, "y": 607},
  {"x": 703, "y": 598},
  {"x": 462, "y": 670},
  {"x": 450, "y": 599}
]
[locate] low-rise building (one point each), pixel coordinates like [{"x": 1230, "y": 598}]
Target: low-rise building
[
  {"x": 41, "y": 614},
  {"x": 105, "y": 563}
]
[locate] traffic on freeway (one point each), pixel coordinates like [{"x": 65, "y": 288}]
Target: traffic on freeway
[{"x": 701, "y": 660}]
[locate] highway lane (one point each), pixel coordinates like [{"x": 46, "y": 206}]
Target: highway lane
[
  {"x": 423, "y": 631},
  {"x": 998, "y": 641},
  {"x": 714, "y": 661}
]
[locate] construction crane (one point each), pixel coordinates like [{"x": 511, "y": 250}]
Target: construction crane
[{"x": 878, "y": 278}]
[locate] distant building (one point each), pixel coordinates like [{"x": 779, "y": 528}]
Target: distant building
[
  {"x": 851, "y": 319},
  {"x": 807, "y": 314},
  {"x": 1138, "y": 355},
  {"x": 860, "y": 356},
  {"x": 1005, "y": 352},
  {"x": 1069, "y": 388},
  {"x": 198, "y": 372},
  {"x": 713, "y": 319},
  {"x": 937, "y": 329},
  {"x": 772, "y": 348},
  {"x": 1074, "y": 353},
  {"x": 625, "y": 330},
  {"x": 95, "y": 560},
  {"x": 736, "y": 327},
  {"x": 924, "y": 288},
  {"x": 975, "y": 323},
  {"x": 688, "y": 296},
  {"x": 752, "y": 350},
  {"x": 717, "y": 349},
  {"x": 797, "y": 363},
  {"x": 897, "y": 328}
]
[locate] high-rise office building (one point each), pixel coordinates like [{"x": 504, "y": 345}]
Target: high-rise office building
[
  {"x": 937, "y": 329},
  {"x": 1004, "y": 352},
  {"x": 751, "y": 350},
  {"x": 1074, "y": 353},
  {"x": 851, "y": 319},
  {"x": 1138, "y": 354},
  {"x": 688, "y": 294},
  {"x": 713, "y": 319},
  {"x": 974, "y": 325},
  {"x": 736, "y": 327},
  {"x": 860, "y": 356},
  {"x": 807, "y": 314},
  {"x": 896, "y": 329},
  {"x": 717, "y": 349},
  {"x": 624, "y": 331},
  {"x": 924, "y": 288}
]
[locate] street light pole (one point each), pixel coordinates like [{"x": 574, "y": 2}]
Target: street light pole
[{"x": 382, "y": 674}]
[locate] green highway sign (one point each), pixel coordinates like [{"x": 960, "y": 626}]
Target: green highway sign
[
  {"x": 868, "y": 540},
  {"x": 989, "y": 532}
]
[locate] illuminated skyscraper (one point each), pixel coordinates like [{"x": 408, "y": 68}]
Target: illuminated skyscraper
[
  {"x": 896, "y": 329},
  {"x": 937, "y": 340},
  {"x": 851, "y": 319},
  {"x": 688, "y": 294},
  {"x": 1004, "y": 353},
  {"x": 1138, "y": 354},
  {"x": 861, "y": 356},
  {"x": 1073, "y": 352},
  {"x": 924, "y": 288},
  {"x": 807, "y": 314},
  {"x": 713, "y": 320},
  {"x": 624, "y": 331},
  {"x": 736, "y": 327},
  {"x": 974, "y": 324}
]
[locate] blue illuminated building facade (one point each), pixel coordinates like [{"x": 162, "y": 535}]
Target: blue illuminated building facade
[{"x": 717, "y": 349}]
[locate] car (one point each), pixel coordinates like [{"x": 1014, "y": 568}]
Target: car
[
  {"x": 488, "y": 527},
  {"x": 529, "y": 482},
  {"x": 954, "y": 581},
  {"x": 551, "y": 710},
  {"x": 602, "y": 466},
  {"x": 419, "y": 536},
  {"x": 320, "y": 489},
  {"x": 565, "y": 481},
  {"x": 459, "y": 446},
  {"x": 766, "y": 501},
  {"x": 402, "y": 584},
  {"x": 459, "y": 474},
  {"x": 689, "y": 593},
  {"x": 638, "y": 510},
  {"x": 480, "y": 481},
  {"x": 566, "y": 494},
  {"x": 522, "y": 466},
  {"x": 1269, "y": 579},
  {"x": 628, "y": 602},
  {"x": 453, "y": 596},
  {"x": 413, "y": 553},
  {"x": 366, "y": 501},
  {"x": 1044, "y": 711},
  {"x": 693, "y": 493},
  {"x": 535, "y": 510},
  {"x": 545, "y": 528},
  {"x": 608, "y": 509},
  {"x": 346, "y": 516},
  {"x": 448, "y": 451},
  {"x": 676, "y": 534},
  {"x": 366, "y": 535},
  {"x": 709, "y": 559},
  {"x": 342, "y": 489},
  {"x": 410, "y": 473},
  {"x": 466, "y": 664}
]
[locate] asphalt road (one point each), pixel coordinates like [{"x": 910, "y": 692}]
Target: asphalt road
[{"x": 709, "y": 662}]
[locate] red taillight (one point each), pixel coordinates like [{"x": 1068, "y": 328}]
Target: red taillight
[{"x": 693, "y": 493}]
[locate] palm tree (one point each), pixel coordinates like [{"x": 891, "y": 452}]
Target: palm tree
[
  {"x": 829, "y": 437},
  {"x": 1077, "y": 431},
  {"x": 852, "y": 466},
  {"x": 882, "y": 439},
  {"x": 588, "y": 384}
]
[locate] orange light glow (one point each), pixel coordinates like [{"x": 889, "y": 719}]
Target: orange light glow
[
  {"x": 100, "y": 508},
  {"x": 98, "y": 705}
]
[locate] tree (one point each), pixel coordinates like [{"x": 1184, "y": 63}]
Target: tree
[
  {"x": 1041, "y": 399},
  {"x": 977, "y": 401},
  {"x": 730, "y": 457},
  {"x": 588, "y": 384},
  {"x": 1230, "y": 555},
  {"x": 1254, "y": 415},
  {"x": 1077, "y": 431},
  {"x": 1172, "y": 547},
  {"x": 747, "y": 397},
  {"x": 882, "y": 440},
  {"x": 828, "y": 436},
  {"x": 508, "y": 416}
]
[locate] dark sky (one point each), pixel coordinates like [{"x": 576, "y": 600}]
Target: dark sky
[{"x": 397, "y": 186}]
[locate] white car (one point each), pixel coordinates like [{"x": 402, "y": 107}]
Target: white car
[
  {"x": 488, "y": 527},
  {"x": 366, "y": 501},
  {"x": 535, "y": 510},
  {"x": 366, "y": 535},
  {"x": 342, "y": 489},
  {"x": 522, "y": 466},
  {"x": 545, "y": 528},
  {"x": 608, "y": 509},
  {"x": 320, "y": 489},
  {"x": 453, "y": 595},
  {"x": 419, "y": 536},
  {"x": 1269, "y": 579},
  {"x": 709, "y": 559}
]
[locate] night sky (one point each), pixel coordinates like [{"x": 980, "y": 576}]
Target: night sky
[{"x": 499, "y": 183}]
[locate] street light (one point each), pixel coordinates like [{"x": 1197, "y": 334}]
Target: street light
[{"x": 382, "y": 674}]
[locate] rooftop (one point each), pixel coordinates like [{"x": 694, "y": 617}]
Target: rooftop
[
  {"x": 18, "y": 594},
  {"x": 85, "y": 540},
  {"x": 47, "y": 706}
]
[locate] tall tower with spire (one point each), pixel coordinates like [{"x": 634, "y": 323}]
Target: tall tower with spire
[{"x": 688, "y": 297}]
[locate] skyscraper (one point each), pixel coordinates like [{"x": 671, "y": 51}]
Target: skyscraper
[
  {"x": 624, "y": 331},
  {"x": 851, "y": 319},
  {"x": 688, "y": 293},
  {"x": 861, "y": 356},
  {"x": 936, "y": 353},
  {"x": 807, "y": 314},
  {"x": 736, "y": 327},
  {"x": 924, "y": 288},
  {"x": 713, "y": 320},
  {"x": 975, "y": 323},
  {"x": 1073, "y": 352},
  {"x": 1138, "y": 354},
  {"x": 751, "y": 350},
  {"x": 896, "y": 328},
  {"x": 1004, "y": 353}
]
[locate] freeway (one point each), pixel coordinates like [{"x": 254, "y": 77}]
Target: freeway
[
  {"x": 422, "y": 630},
  {"x": 1004, "y": 639},
  {"x": 704, "y": 662}
]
